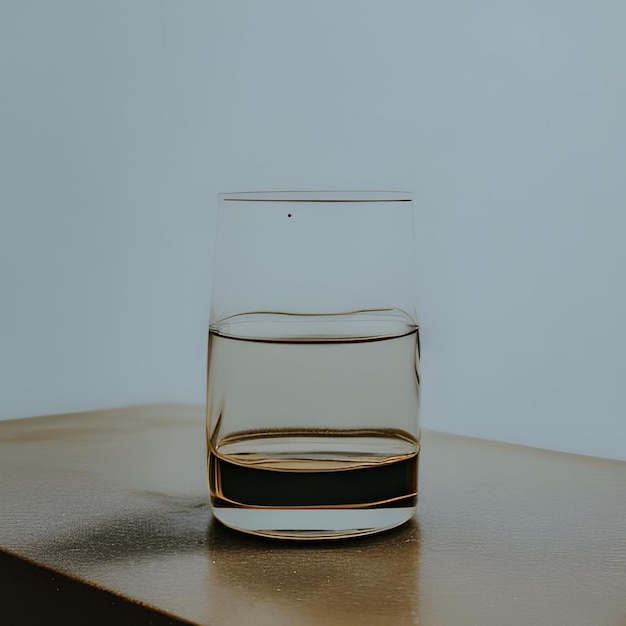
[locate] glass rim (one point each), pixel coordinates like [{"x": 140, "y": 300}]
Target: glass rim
[{"x": 317, "y": 196}]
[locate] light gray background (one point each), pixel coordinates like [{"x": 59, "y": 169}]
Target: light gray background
[{"x": 120, "y": 121}]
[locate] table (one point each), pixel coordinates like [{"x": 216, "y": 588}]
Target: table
[{"x": 104, "y": 518}]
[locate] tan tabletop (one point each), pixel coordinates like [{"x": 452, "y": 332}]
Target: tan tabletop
[{"x": 504, "y": 534}]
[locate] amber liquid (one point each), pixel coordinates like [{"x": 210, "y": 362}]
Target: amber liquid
[
  {"x": 312, "y": 433},
  {"x": 321, "y": 470}
]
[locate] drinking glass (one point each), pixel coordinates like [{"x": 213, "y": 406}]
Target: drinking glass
[{"x": 312, "y": 377}]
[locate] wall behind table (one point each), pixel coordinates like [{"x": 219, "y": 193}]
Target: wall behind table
[{"x": 120, "y": 122}]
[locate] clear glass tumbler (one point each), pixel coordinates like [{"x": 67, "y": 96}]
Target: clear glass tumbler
[{"x": 312, "y": 378}]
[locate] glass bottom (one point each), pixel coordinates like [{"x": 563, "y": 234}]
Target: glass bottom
[{"x": 312, "y": 524}]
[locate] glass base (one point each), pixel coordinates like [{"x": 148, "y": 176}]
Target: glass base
[{"x": 312, "y": 523}]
